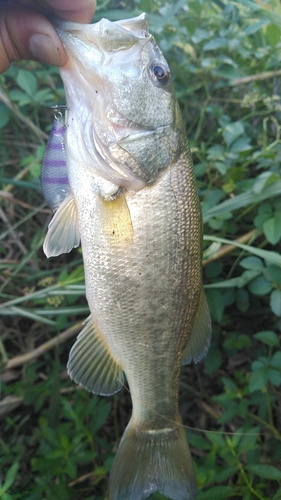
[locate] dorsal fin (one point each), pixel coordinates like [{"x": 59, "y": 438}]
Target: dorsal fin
[{"x": 199, "y": 341}]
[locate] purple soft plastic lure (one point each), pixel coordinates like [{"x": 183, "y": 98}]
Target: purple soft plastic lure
[{"x": 54, "y": 180}]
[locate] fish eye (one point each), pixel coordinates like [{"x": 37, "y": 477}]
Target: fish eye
[{"x": 160, "y": 73}]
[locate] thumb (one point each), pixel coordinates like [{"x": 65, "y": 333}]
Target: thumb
[{"x": 27, "y": 34}]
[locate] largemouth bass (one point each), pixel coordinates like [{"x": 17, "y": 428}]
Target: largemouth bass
[{"x": 134, "y": 203}]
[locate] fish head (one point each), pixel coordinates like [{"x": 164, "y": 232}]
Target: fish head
[{"x": 120, "y": 95}]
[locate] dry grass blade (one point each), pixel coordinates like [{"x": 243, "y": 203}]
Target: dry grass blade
[
  {"x": 24, "y": 119},
  {"x": 39, "y": 351},
  {"x": 227, "y": 249},
  {"x": 255, "y": 78}
]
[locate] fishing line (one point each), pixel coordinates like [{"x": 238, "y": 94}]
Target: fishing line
[{"x": 225, "y": 433}]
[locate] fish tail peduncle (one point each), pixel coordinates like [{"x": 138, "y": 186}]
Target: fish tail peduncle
[{"x": 153, "y": 460}]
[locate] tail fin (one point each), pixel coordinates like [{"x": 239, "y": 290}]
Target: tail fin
[{"x": 149, "y": 461}]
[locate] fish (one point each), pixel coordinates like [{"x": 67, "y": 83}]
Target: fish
[{"x": 134, "y": 204}]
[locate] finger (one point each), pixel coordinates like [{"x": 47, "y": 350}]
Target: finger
[
  {"x": 79, "y": 11},
  {"x": 27, "y": 34}
]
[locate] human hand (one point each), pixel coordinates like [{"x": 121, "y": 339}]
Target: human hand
[{"x": 26, "y": 33}]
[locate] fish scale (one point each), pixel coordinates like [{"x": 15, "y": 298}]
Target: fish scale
[{"x": 134, "y": 203}]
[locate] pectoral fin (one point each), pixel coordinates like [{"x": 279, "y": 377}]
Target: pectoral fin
[
  {"x": 91, "y": 364},
  {"x": 200, "y": 337},
  {"x": 63, "y": 231},
  {"x": 116, "y": 221}
]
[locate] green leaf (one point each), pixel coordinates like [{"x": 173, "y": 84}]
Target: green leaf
[
  {"x": 43, "y": 95},
  {"x": 265, "y": 471},
  {"x": 268, "y": 337},
  {"x": 217, "y": 440},
  {"x": 101, "y": 414},
  {"x": 197, "y": 441},
  {"x": 35, "y": 170},
  {"x": 71, "y": 469},
  {"x": 249, "y": 442},
  {"x": 240, "y": 145},
  {"x": 273, "y": 273},
  {"x": 232, "y": 131},
  {"x": 273, "y": 34},
  {"x": 21, "y": 97},
  {"x": 10, "y": 477},
  {"x": 274, "y": 377},
  {"x": 215, "y": 43},
  {"x": 55, "y": 454},
  {"x": 216, "y": 153},
  {"x": 264, "y": 179},
  {"x": 199, "y": 35},
  {"x": 259, "y": 376},
  {"x": 242, "y": 200},
  {"x": 226, "y": 71},
  {"x": 171, "y": 9},
  {"x": 212, "y": 199},
  {"x": 260, "y": 286},
  {"x": 5, "y": 114},
  {"x": 225, "y": 473},
  {"x": 272, "y": 229},
  {"x": 253, "y": 28},
  {"x": 237, "y": 341},
  {"x": 216, "y": 303},
  {"x": 230, "y": 413},
  {"x": 213, "y": 360},
  {"x": 229, "y": 385},
  {"x": 275, "y": 302},
  {"x": 51, "y": 436},
  {"x": 215, "y": 493},
  {"x": 27, "y": 82},
  {"x": 252, "y": 263},
  {"x": 276, "y": 360}
]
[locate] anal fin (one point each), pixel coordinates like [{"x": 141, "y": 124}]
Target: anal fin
[
  {"x": 199, "y": 341},
  {"x": 63, "y": 231},
  {"x": 91, "y": 363}
]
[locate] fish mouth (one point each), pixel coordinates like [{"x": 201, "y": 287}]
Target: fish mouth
[
  {"x": 103, "y": 31},
  {"x": 103, "y": 36}
]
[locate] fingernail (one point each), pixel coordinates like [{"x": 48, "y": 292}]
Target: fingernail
[{"x": 43, "y": 49}]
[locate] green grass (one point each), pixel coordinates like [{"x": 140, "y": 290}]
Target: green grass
[{"x": 57, "y": 441}]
